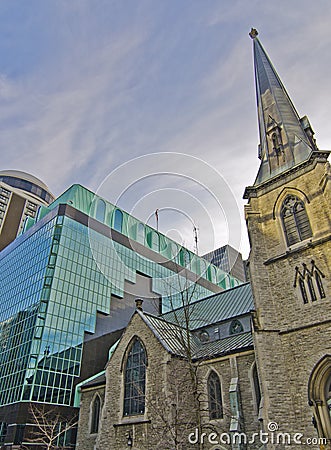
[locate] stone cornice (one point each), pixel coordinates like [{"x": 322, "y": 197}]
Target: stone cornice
[
  {"x": 288, "y": 175},
  {"x": 305, "y": 245}
]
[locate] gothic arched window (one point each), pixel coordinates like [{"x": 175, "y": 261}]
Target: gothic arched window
[
  {"x": 310, "y": 282},
  {"x": 95, "y": 414},
  {"x": 319, "y": 394},
  {"x": 257, "y": 389},
  {"x": 327, "y": 394},
  {"x": 135, "y": 379},
  {"x": 295, "y": 220},
  {"x": 118, "y": 220},
  {"x": 214, "y": 396}
]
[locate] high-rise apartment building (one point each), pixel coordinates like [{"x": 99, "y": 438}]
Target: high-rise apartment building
[
  {"x": 67, "y": 282},
  {"x": 229, "y": 260},
  {"x": 21, "y": 194}
]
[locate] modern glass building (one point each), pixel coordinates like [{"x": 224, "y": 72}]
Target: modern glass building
[
  {"x": 229, "y": 260},
  {"x": 71, "y": 275}
]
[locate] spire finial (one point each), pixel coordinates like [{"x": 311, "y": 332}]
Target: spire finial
[{"x": 253, "y": 33}]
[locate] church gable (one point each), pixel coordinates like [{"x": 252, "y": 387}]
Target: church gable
[
  {"x": 142, "y": 379},
  {"x": 150, "y": 395}
]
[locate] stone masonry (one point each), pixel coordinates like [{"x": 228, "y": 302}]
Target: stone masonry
[{"x": 290, "y": 337}]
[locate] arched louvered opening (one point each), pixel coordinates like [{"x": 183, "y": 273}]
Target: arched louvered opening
[{"x": 295, "y": 220}]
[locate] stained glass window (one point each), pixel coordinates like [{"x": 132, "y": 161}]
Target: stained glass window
[
  {"x": 135, "y": 380},
  {"x": 95, "y": 414}
]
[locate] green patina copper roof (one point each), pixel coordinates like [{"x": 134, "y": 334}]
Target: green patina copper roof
[
  {"x": 216, "y": 308},
  {"x": 174, "y": 339}
]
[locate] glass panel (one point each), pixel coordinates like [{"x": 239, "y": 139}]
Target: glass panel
[
  {"x": 118, "y": 220},
  {"x": 100, "y": 211},
  {"x": 153, "y": 240},
  {"x": 141, "y": 233}
]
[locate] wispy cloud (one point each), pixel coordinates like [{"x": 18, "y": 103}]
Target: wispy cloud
[{"x": 86, "y": 86}]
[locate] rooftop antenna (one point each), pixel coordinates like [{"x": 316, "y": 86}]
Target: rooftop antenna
[
  {"x": 195, "y": 233},
  {"x": 157, "y": 219}
]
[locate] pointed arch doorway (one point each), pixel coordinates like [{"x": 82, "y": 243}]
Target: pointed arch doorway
[{"x": 319, "y": 394}]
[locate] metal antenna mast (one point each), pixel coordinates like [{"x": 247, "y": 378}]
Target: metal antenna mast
[{"x": 195, "y": 233}]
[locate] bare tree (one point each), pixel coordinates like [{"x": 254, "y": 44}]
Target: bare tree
[
  {"x": 172, "y": 425},
  {"x": 49, "y": 427},
  {"x": 182, "y": 294}
]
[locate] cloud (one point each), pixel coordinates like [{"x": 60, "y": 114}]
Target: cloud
[
  {"x": 102, "y": 83},
  {"x": 54, "y": 127}
]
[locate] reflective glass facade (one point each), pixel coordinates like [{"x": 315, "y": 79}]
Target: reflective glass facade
[
  {"x": 54, "y": 279},
  {"x": 229, "y": 260}
]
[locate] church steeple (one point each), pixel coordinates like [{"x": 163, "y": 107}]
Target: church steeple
[{"x": 285, "y": 139}]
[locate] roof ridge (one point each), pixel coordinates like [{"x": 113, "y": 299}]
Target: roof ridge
[{"x": 160, "y": 318}]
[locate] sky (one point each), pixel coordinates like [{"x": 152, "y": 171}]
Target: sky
[{"x": 151, "y": 103}]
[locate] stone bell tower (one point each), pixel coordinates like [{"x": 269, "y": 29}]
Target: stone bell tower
[{"x": 289, "y": 224}]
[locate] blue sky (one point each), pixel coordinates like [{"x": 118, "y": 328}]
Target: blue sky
[{"x": 87, "y": 86}]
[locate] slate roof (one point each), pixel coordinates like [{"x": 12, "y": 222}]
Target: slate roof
[
  {"x": 216, "y": 308},
  {"x": 173, "y": 337},
  {"x": 175, "y": 340},
  {"x": 230, "y": 344},
  {"x": 275, "y": 107}
]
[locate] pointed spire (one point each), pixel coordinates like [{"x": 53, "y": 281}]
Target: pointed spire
[{"x": 285, "y": 139}]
